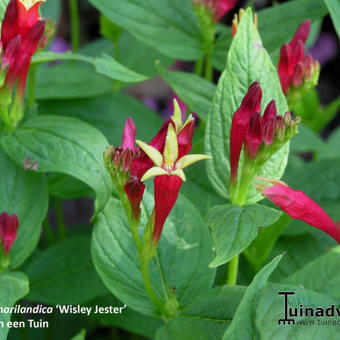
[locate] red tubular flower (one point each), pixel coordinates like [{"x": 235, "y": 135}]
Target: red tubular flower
[
  {"x": 299, "y": 206},
  {"x": 23, "y": 28},
  {"x": 294, "y": 68},
  {"x": 251, "y": 103},
  {"x": 8, "y": 231},
  {"x": 168, "y": 171},
  {"x": 166, "y": 193}
]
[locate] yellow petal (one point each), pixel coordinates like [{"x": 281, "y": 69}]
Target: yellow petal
[
  {"x": 30, "y": 3},
  {"x": 177, "y": 116},
  {"x": 189, "y": 120},
  {"x": 171, "y": 147},
  {"x": 190, "y": 159},
  {"x": 153, "y": 153},
  {"x": 153, "y": 172},
  {"x": 179, "y": 173}
]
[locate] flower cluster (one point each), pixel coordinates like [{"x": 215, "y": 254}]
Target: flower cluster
[
  {"x": 260, "y": 136},
  {"x": 8, "y": 231},
  {"x": 21, "y": 33},
  {"x": 130, "y": 166},
  {"x": 298, "y": 206},
  {"x": 296, "y": 70}
]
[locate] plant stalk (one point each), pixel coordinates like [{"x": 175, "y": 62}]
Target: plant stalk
[
  {"x": 232, "y": 271},
  {"x": 74, "y": 16}
]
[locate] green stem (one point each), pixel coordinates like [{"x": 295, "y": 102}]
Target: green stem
[
  {"x": 61, "y": 230},
  {"x": 144, "y": 267},
  {"x": 31, "y": 85},
  {"x": 208, "y": 74},
  {"x": 48, "y": 231},
  {"x": 232, "y": 271},
  {"x": 199, "y": 67},
  {"x": 74, "y": 15}
]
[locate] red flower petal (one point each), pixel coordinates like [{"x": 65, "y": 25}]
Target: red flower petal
[
  {"x": 8, "y": 230},
  {"x": 166, "y": 193},
  {"x": 129, "y": 135},
  {"x": 301, "y": 33},
  {"x": 253, "y": 138},
  {"x": 299, "y": 206},
  {"x": 134, "y": 189}
]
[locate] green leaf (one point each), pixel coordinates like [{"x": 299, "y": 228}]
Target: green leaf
[
  {"x": 70, "y": 80},
  {"x": 277, "y": 26},
  {"x": 321, "y": 275},
  {"x": 334, "y": 11},
  {"x": 111, "y": 112},
  {"x": 64, "y": 274},
  {"x": 308, "y": 141},
  {"x": 247, "y": 62},
  {"x": 243, "y": 325},
  {"x": 270, "y": 308},
  {"x": 319, "y": 180},
  {"x": 48, "y": 57},
  {"x": 23, "y": 193},
  {"x": 129, "y": 320},
  {"x": 66, "y": 145},
  {"x": 202, "y": 196},
  {"x": 13, "y": 287},
  {"x": 80, "y": 336},
  {"x": 3, "y": 6},
  {"x": 195, "y": 91},
  {"x": 333, "y": 142},
  {"x": 109, "y": 67},
  {"x": 169, "y": 26},
  {"x": 261, "y": 247},
  {"x": 104, "y": 65},
  {"x": 298, "y": 251},
  {"x": 234, "y": 227},
  {"x": 142, "y": 60},
  {"x": 207, "y": 319},
  {"x": 184, "y": 253}
]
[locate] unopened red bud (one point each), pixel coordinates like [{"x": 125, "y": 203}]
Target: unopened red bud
[
  {"x": 280, "y": 128},
  {"x": 297, "y": 120},
  {"x": 269, "y": 113},
  {"x": 287, "y": 119},
  {"x": 254, "y": 135},
  {"x": 298, "y": 53},
  {"x": 269, "y": 131},
  {"x": 298, "y": 74}
]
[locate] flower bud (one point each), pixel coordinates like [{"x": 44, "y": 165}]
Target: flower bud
[{"x": 8, "y": 231}]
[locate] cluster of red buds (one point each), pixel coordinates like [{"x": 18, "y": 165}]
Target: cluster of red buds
[
  {"x": 260, "y": 136},
  {"x": 21, "y": 33},
  {"x": 298, "y": 72},
  {"x": 164, "y": 158},
  {"x": 8, "y": 234},
  {"x": 218, "y": 8},
  {"x": 298, "y": 206}
]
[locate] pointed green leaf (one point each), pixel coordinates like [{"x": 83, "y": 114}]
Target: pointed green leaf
[
  {"x": 234, "y": 227},
  {"x": 247, "y": 62}
]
